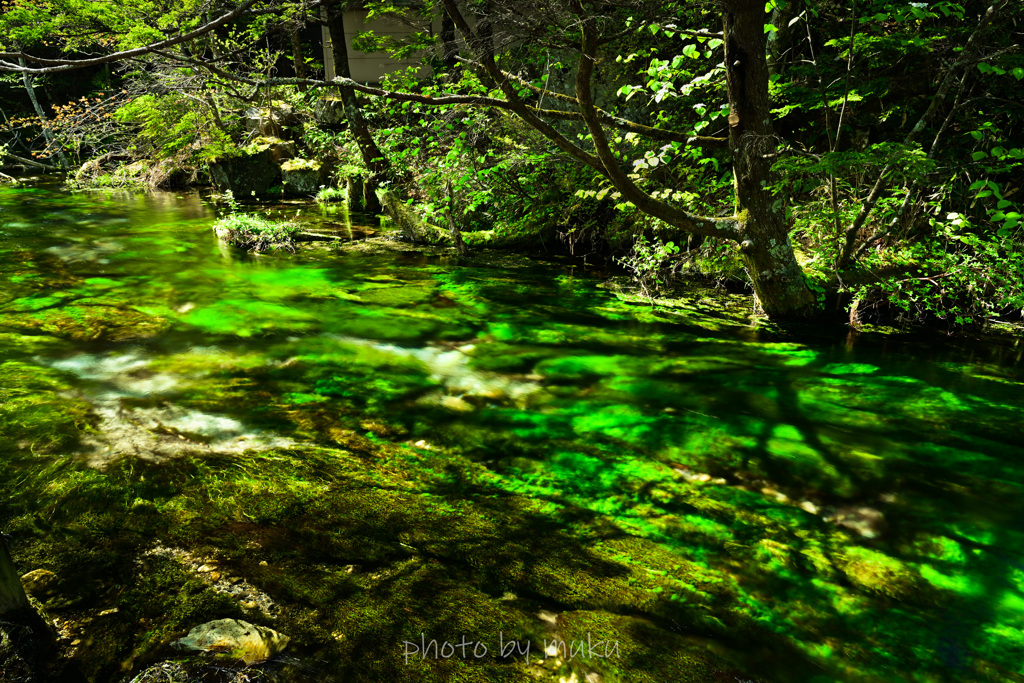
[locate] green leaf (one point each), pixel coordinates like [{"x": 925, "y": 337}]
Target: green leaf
[
  {"x": 1003, "y": 203},
  {"x": 978, "y": 156}
]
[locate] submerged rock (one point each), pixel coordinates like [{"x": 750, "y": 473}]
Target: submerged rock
[
  {"x": 164, "y": 672},
  {"x": 866, "y": 521},
  {"x": 236, "y": 639},
  {"x": 39, "y": 583}
]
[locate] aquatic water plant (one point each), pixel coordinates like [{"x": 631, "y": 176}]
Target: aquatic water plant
[
  {"x": 328, "y": 195},
  {"x": 255, "y": 233}
]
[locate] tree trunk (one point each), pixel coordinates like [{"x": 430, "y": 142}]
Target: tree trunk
[
  {"x": 450, "y": 49},
  {"x": 368, "y": 149},
  {"x": 43, "y": 121},
  {"x": 767, "y": 252},
  {"x": 298, "y": 59},
  {"x": 12, "y": 594}
]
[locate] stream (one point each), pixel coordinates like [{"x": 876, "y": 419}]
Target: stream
[{"x": 389, "y": 447}]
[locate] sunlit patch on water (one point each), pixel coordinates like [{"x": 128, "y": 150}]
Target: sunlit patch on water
[
  {"x": 138, "y": 417},
  {"x": 451, "y": 368}
]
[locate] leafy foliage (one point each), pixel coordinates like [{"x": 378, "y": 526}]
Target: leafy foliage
[{"x": 255, "y": 233}]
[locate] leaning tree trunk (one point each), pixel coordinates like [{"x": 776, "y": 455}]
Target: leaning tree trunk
[
  {"x": 12, "y": 594},
  {"x": 27, "y": 79},
  {"x": 368, "y": 149},
  {"x": 767, "y": 251}
]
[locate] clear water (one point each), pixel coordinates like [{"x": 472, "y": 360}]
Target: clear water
[{"x": 418, "y": 445}]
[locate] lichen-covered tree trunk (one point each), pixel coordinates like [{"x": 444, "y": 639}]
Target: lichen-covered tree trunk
[
  {"x": 368, "y": 149},
  {"x": 767, "y": 251}
]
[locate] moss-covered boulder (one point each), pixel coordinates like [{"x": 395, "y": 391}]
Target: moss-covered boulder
[
  {"x": 303, "y": 177},
  {"x": 254, "y": 173}
]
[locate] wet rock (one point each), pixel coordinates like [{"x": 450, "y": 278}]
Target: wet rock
[
  {"x": 39, "y": 583},
  {"x": 247, "y": 175},
  {"x": 866, "y": 521},
  {"x": 263, "y": 122},
  {"x": 282, "y": 150},
  {"x": 302, "y": 177},
  {"x": 234, "y": 639},
  {"x": 456, "y": 404},
  {"x": 882, "y": 574}
]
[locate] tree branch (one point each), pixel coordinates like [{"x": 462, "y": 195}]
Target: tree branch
[
  {"x": 625, "y": 124},
  {"x": 514, "y": 103},
  {"x": 55, "y": 65},
  {"x": 727, "y": 228}
]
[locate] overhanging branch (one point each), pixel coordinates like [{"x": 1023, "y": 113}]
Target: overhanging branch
[{"x": 55, "y": 65}]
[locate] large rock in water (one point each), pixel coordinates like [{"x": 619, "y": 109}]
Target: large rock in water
[
  {"x": 302, "y": 177},
  {"x": 234, "y": 639},
  {"x": 253, "y": 174}
]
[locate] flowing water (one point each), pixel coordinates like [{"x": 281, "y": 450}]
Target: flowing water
[{"x": 374, "y": 450}]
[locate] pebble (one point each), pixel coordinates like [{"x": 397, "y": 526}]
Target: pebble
[{"x": 808, "y": 506}]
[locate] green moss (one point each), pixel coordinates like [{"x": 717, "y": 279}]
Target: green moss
[
  {"x": 882, "y": 574},
  {"x": 37, "y": 414},
  {"x": 623, "y": 648},
  {"x": 301, "y": 165}
]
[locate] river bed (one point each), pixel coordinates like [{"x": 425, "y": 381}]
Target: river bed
[{"x": 373, "y": 451}]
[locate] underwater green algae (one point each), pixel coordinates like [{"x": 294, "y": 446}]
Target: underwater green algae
[{"x": 423, "y": 448}]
